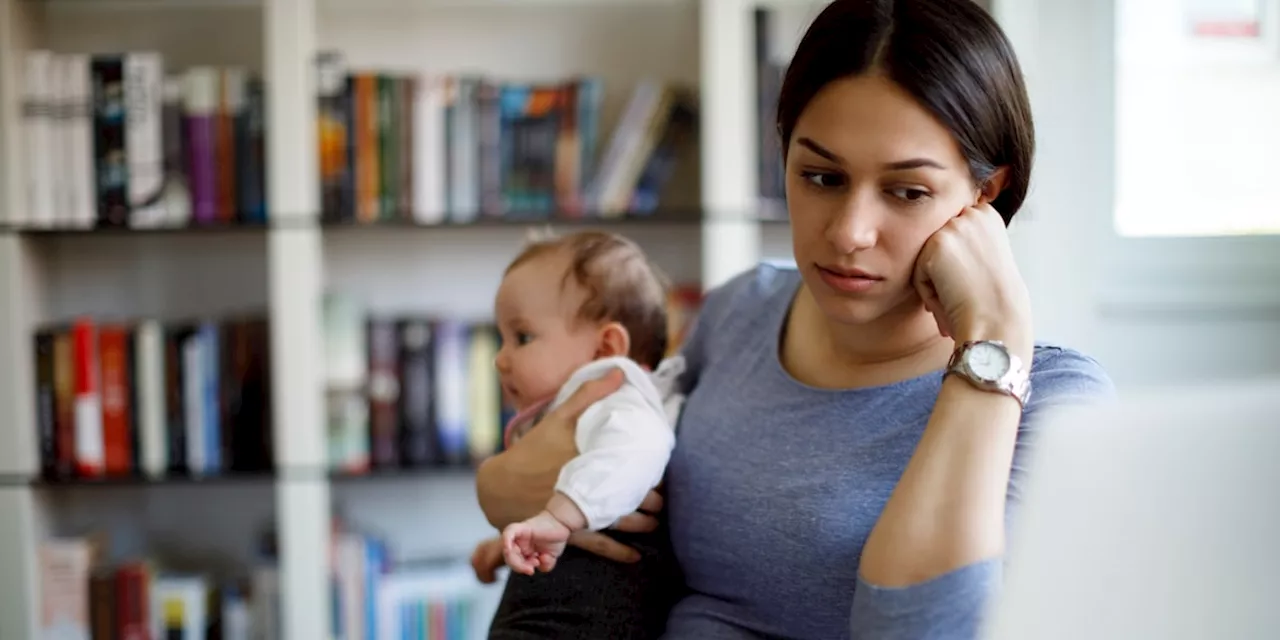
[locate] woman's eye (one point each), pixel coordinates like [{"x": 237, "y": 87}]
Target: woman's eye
[
  {"x": 909, "y": 194},
  {"x": 822, "y": 179}
]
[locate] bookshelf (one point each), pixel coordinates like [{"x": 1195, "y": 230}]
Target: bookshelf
[{"x": 706, "y": 230}]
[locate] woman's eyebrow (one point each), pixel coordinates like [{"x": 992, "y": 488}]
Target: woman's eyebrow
[
  {"x": 914, "y": 163},
  {"x": 809, "y": 144},
  {"x": 898, "y": 165}
]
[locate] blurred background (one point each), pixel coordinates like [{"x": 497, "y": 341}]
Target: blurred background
[{"x": 248, "y": 250}]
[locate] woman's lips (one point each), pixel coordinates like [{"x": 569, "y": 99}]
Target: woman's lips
[{"x": 848, "y": 280}]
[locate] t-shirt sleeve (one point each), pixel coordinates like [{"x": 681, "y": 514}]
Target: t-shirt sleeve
[
  {"x": 745, "y": 290},
  {"x": 950, "y": 606}
]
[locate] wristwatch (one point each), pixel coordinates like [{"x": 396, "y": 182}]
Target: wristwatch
[{"x": 989, "y": 365}]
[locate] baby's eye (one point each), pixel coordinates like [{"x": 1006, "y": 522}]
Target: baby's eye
[{"x": 523, "y": 338}]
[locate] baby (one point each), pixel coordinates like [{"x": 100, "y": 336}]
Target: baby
[{"x": 569, "y": 310}]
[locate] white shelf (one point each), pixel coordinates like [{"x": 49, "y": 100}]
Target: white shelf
[{"x": 284, "y": 266}]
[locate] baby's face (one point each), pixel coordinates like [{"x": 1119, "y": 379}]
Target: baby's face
[{"x": 542, "y": 343}]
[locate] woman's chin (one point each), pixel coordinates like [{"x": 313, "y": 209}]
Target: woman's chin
[{"x": 850, "y": 310}]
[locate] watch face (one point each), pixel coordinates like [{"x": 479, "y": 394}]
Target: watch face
[{"x": 987, "y": 361}]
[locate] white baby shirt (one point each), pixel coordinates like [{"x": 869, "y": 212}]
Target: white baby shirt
[{"x": 624, "y": 440}]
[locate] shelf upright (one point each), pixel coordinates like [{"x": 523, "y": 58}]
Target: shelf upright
[
  {"x": 730, "y": 231},
  {"x": 294, "y": 265},
  {"x": 20, "y": 521}
]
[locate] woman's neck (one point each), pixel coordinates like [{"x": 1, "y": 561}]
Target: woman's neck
[{"x": 897, "y": 346}]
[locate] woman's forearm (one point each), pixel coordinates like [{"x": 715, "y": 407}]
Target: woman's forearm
[
  {"x": 947, "y": 511},
  {"x": 505, "y": 494}
]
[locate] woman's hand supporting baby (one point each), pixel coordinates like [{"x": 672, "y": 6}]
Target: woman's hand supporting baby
[{"x": 517, "y": 484}]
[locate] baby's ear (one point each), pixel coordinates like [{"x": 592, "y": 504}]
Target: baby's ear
[{"x": 614, "y": 341}]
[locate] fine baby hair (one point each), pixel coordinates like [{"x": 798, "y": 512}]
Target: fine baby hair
[{"x": 620, "y": 282}]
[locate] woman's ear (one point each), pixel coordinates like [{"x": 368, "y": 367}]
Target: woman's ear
[
  {"x": 993, "y": 186},
  {"x": 614, "y": 341}
]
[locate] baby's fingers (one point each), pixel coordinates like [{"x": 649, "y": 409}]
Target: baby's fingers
[{"x": 547, "y": 562}]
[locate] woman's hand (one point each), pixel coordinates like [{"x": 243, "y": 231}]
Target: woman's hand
[
  {"x": 517, "y": 483},
  {"x": 642, "y": 521},
  {"x": 969, "y": 280}
]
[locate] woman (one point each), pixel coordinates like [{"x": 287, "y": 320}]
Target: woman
[{"x": 852, "y": 442}]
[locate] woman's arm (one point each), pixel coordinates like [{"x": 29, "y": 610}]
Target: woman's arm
[
  {"x": 927, "y": 586},
  {"x": 517, "y": 483},
  {"x": 947, "y": 509},
  {"x": 933, "y": 557}
]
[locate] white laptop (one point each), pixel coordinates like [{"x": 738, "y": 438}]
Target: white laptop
[{"x": 1156, "y": 518}]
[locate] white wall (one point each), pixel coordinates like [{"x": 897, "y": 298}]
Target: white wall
[{"x": 1155, "y": 312}]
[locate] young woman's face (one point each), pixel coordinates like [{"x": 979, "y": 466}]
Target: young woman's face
[{"x": 870, "y": 176}]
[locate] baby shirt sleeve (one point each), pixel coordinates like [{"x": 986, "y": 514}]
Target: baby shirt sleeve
[{"x": 625, "y": 444}]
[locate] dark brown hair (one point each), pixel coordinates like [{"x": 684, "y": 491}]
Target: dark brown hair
[
  {"x": 949, "y": 54},
  {"x": 621, "y": 286}
]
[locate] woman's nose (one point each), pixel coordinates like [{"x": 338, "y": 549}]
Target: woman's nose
[{"x": 855, "y": 227}]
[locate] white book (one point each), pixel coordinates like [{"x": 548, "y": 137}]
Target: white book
[
  {"x": 65, "y": 565},
  {"x": 83, "y": 206},
  {"x": 150, "y": 400},
  {"x": 430, "y": 153},
  {"x": 37, "y": 110},
  {"x": 180, "y": 602},
  {"x": 144, "y": 144},
  {"x": 61, "y": 96}
]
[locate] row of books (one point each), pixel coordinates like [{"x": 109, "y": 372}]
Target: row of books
[
  {"x": 86, "y": 596},
  {"x": 151, "y": 398},
  {"x": 434, "y": 148},
  {"x": 375, "y": 598},
  {"x": 408, "y": 391},
  {"x": 420, "y": 390},
  {"x": 117, "y": 140}
]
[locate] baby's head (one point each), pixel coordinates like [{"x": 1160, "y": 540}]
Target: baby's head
[{"x": 566, "y": 301}]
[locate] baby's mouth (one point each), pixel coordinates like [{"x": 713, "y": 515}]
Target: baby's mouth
[{"x": 510, "y": 397}]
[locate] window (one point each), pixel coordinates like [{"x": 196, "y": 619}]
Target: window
[{"x": 1197, "y": 133}]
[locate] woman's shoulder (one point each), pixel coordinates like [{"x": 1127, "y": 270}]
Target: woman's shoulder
[
  {"x": 1063, "y": 375},
  {"x": 767, "y": 284}
]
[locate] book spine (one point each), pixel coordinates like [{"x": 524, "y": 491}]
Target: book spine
[
  {"x": 418, "y": 440},
  {"x": 250, "y": 154},
  {"x": 46, "y": 402},
  {"x": 38, "y": 123},
  {"x": 116, "y": 434},
  {"x": 149, "y": 399},
  {"x": 88, "y": 401},
  {"x": 231, "y": 83},
  {"x": 109, "y": 149},
  {"x": 144, "y": 102},
  {"x": 200, "y": 105},
  {"x": 80, "y": 162}
]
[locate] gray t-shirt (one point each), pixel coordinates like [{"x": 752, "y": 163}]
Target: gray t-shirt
[{"x": 774, "y": 486}]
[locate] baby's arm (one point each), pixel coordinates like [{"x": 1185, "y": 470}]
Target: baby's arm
[{"x": 625, "y": 444}]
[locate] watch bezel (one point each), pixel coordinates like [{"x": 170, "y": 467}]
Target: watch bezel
[
  {"x": 972, "y": 348},
  {"x": 1015, "y": 381}
]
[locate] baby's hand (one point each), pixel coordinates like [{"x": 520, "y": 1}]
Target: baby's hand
[
  {"x": 535, "y": 544},
  {"x": 486, "y": 559}
]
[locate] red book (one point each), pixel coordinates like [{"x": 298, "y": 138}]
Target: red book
[
  {"x": 132, "y": 609},
  {"x": 88, "y": 404}
]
